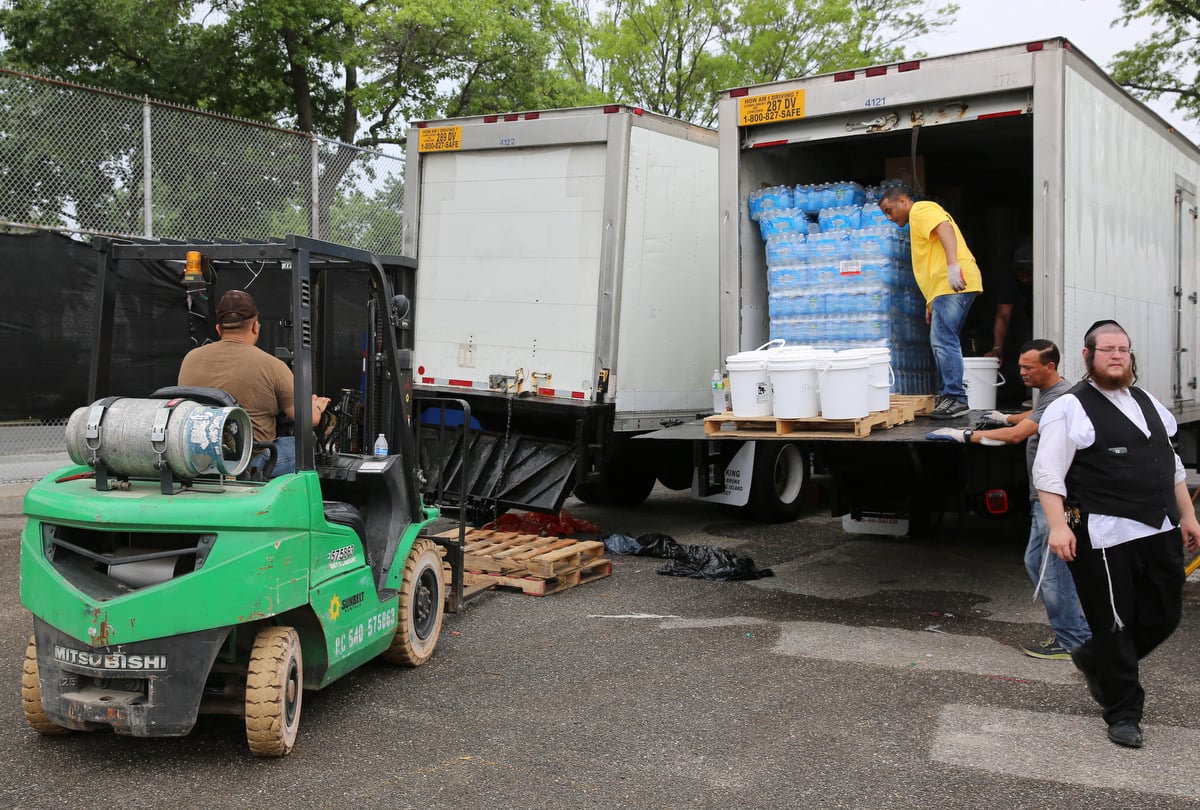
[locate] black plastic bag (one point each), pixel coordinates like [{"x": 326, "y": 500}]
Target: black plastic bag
[{"x": 699, "y": 562}]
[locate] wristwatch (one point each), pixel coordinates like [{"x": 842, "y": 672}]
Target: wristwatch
[{"x": 967, "y": 434}]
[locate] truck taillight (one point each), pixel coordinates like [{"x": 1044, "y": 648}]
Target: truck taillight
[
  {"x": 738, "y": 93},
  {"x": 996, "y": 502}
]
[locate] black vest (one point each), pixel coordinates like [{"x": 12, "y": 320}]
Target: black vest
[{"x": 1124, "y": 473}]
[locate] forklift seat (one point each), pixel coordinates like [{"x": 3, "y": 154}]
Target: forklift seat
[{"x": 346, "y": 514}]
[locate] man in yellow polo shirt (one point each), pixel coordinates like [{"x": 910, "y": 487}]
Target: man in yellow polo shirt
[{"x": 949, "y": 279}]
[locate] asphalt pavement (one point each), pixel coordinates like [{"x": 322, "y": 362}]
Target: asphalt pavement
[{"x": 868, "y": 672}]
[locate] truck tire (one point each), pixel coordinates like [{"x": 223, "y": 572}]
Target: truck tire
[
  {"x": 31, "y": 695},
  {"x": 629, "y": 478},
  {"x": 422, "y": 597},
  {"x": 781, "y": 469},
  {"x": 274, "y": 690}
]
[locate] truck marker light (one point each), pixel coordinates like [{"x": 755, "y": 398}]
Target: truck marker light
[
  {"x": 843, "y": 76},
  {"x": 905, "y": 67},
  {"x": 1035, "y": 46},
  {"x": 996, "y": 501},
  {"x": 612, "y": 108},
  {"x": 491, "y": 119},
  {"x": 421, "y": 370},
  {"x": 420, "y": 124},
  {"x": 739, "y": 92},
  {"x": 638, "y": 111},
  {"x": 876, "y": 71},
  {"x": 512, "y": 117},
  {"x": 532, "y": 116}
]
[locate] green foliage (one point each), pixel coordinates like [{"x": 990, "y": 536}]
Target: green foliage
[
  {"x": 357, "y": 71},
  {"x": 1169, "y": 62}
]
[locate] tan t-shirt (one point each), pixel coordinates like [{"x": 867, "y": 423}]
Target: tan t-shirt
[{"x": 262, "y": 384}]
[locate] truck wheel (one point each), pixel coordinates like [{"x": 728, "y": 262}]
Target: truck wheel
[
  {"x": 780, "y": 472},
  {"x": 422, "y": 595},
  {"x": 31, "y": 695},
  {"x": 274, "y": 688}
]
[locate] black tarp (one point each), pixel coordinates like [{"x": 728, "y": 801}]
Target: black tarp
[{"x": 48, "y": 311}]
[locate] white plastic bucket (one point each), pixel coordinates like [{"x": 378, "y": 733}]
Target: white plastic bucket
[
  {"x": 749, "y": 383},
  {"x": 981, "y": 378},
  {"x": 879, "y": 379},
  {"x": 844, "y": 383},
  {"x": 793, "y": 374}
]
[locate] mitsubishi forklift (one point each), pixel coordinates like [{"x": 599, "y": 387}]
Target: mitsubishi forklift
[{"x": 166, "y": 579}]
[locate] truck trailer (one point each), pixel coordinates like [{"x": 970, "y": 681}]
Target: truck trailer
[
  {"x": 1028, "y": 143},
  {"x": 567, "y": 302}
]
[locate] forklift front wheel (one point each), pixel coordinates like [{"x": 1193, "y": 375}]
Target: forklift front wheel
[
  {"x": 274, "y": 687},
  {"x": 31, "y": 695},
  {"x": 422, "y": 596}
]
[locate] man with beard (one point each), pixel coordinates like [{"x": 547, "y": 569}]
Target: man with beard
[{"x": 1119, "y": 513}]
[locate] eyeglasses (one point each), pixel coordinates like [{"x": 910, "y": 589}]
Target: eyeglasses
[{"x": 1112, "y": 350}]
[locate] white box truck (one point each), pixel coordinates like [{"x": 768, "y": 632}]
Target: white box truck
[
  {"x": 1030, "y": 140},
  {"x": 566, "y": 296}
]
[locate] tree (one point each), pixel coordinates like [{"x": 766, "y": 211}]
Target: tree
[
  {"x": 674, "y": 56},
  {"x": 1167, "y": 63}
]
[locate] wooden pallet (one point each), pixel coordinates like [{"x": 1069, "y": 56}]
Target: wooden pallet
[
  {"x": 536, "y": 565},
  {"x": 543, "y": 586},
  {"x": 902, "y": 409}
]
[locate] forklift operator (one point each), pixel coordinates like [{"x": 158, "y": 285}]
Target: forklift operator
[{"x": 262, "y": 384}]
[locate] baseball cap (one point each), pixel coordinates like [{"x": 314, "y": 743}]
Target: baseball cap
[{"x": 235, "y": 308}]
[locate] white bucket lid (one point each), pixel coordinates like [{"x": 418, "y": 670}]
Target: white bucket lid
[
  {"x": 836, "y": 363},
  {"x": 791, "y": 362},
  {"x": 746, "y": 361},
  {"x": 853, "y": 354}
]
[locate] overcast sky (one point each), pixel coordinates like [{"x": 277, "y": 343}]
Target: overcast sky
[{"x": 1087, "y": 23}]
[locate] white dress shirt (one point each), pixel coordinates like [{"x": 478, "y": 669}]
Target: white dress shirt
[{"x": 1065, "y": 428}]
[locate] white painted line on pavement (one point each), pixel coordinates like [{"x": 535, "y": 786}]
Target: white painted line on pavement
[
  {"x": 632, "y": 616},
  {"x": 909, "y": 649},
  {"x": 1065, "y": 749}
]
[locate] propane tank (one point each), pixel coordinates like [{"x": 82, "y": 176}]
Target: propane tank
[{"x": 134, "y": 437}]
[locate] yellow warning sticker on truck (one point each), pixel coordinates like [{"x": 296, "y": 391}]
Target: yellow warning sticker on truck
[
  {"x": 439, "y": 139},
  {"x": 771, "y": 108}
]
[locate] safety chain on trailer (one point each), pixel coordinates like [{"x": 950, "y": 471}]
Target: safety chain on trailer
[{"x": 503, "y": 451}]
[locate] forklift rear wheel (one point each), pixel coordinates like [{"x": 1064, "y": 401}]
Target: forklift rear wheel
[
  {"x": 422, "y": 596},
  {"x": 274, "y": 688},
  {"x": 31, "y": 695}
]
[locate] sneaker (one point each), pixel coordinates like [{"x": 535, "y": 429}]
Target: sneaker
[
  {"x": 948, "y": 408},
  {"x": 1049, "y": 649}
]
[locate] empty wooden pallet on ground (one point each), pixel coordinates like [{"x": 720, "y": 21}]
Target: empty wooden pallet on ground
[
  {"x": 535, "y": 565},
  {"x": 901, "y": 409}
]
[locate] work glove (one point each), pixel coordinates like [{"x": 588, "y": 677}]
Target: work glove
[
  {"x": 955, "y": 275},
  {"x": 992, "y": 419},
  {"x": 947, "y": 435}
]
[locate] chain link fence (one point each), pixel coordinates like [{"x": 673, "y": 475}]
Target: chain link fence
[{"x": 88, "y": 162}]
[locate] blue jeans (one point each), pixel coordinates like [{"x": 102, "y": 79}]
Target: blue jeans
[
  {"x": 285, "y": 457},
  {"x": 948, "y": 313},
  {"x": 1058, "y": 588}
]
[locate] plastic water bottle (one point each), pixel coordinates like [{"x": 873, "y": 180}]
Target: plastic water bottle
[
  {"x": 381, "y": 446},
  {"x": 718, "y": 391}
]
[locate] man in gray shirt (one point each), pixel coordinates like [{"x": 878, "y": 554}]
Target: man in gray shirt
[{"x": 1038, "y": 364}]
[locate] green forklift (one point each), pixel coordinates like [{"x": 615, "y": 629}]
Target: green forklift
[{"x": 167, "y": 580}]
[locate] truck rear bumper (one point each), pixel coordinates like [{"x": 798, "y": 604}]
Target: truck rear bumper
[{"x": 146, "y": 689}]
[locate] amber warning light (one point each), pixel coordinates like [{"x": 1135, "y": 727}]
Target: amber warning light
[{"x": 193, "y": 273}]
